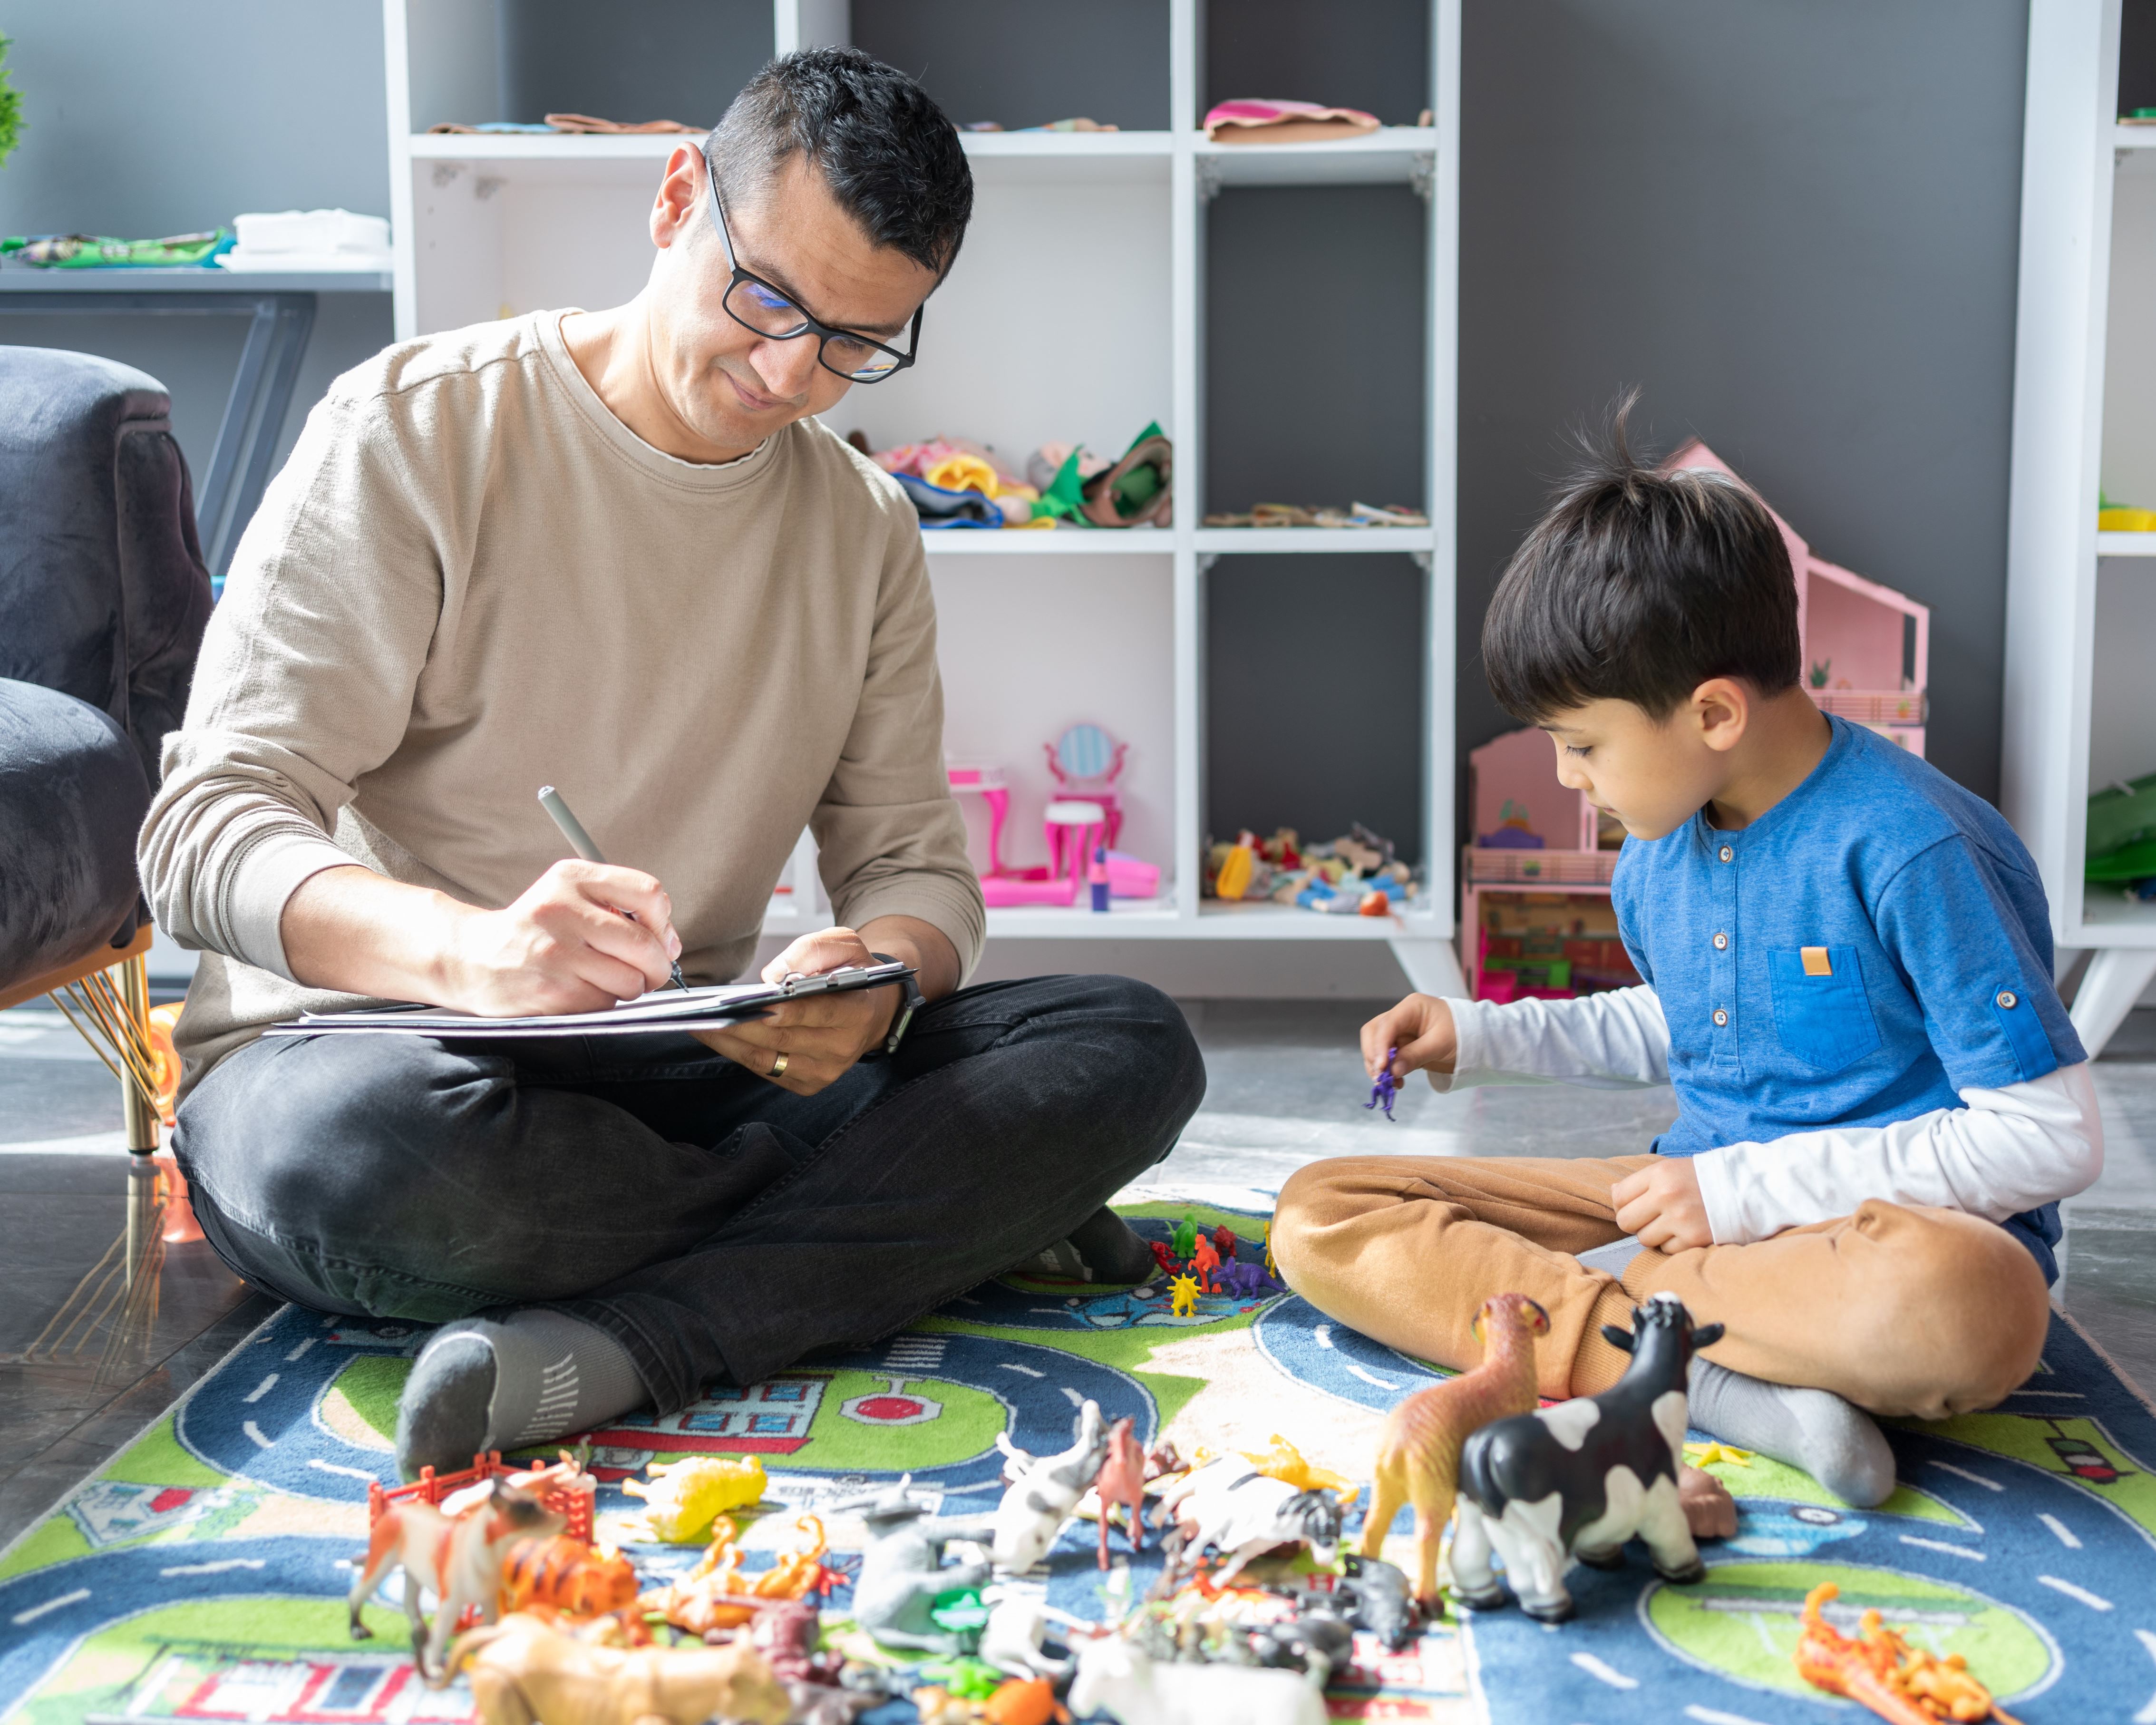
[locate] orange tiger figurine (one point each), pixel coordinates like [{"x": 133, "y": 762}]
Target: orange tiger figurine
[{"x": 567, "y": 1575}]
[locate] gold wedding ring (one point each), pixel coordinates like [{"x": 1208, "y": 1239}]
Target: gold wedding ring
[{"x": 777, "y": 1068}]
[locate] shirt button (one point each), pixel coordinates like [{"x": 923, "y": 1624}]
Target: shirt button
[
  {"x": 1721, "y": 942},
  {"x": 1727, "y": 853},
  {"x": 1721, "y": 1017},
  {"x": 2007, "y": 998}
]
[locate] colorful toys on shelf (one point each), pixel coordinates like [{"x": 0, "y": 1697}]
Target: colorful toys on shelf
[
  {"x": 1044, "y": 1492},
  {"x": 1231, "y": 1507},
  {"x": 524, "y": 1670},
  {"x": 1355, "y": 875},
  {"x": 1878, "y": 1669},
  {"x": 683, "y": 1498},
  {"x": 1580, "y": 1478},
  {"x": 1122, "y": 1680},
  {"x": 1080, "y": 826},
  {"x": 1417, "y": 1460},
  {"x": 457, "y": 1559}
]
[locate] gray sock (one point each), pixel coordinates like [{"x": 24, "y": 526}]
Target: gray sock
[
  {"x": 1611, "y": 1260},
  {"x": 535, "y": 1376},
  {"x": 1815, "y": 1429}
]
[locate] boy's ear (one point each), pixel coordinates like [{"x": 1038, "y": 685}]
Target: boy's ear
[
  {"x": 1721, "y": 708},
  {"x": 1617, "y": 1338}
]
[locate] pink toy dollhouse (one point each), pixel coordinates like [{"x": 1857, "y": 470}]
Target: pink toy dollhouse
[{"x": 1536, "y": 918}]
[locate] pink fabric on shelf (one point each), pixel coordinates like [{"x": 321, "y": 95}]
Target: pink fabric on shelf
[{"x": 1262, "y": 120}]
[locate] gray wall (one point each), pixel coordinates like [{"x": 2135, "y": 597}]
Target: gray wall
[
  {"x": 144, "y": 117},
  {"x": 1795, "y": 225}
]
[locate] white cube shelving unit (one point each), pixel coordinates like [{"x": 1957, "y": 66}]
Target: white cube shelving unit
[
  {"x": 2080, "y": 705},
  {"x": 1097, "y": 238}
]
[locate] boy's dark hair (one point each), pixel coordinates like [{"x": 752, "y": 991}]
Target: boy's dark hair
[
  {"x": 889, "y": 154},
  {"x": 1638, "y": 584}
]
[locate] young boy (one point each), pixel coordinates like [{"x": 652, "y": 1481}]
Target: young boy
[{"x": 1848, "y": 970}]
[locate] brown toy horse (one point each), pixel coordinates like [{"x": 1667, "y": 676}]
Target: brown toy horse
[
  {"x": 458, "y": 1559},
  {"x": 1418, "y": 1454},
  {"x": 1121, "y": 1480}
]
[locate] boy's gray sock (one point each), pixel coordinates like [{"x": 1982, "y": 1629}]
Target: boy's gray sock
[
  {"x": 1611, "y": 1260},
  {"x": 1815, "y": 1429},
  {"x": 533, "y": 1377}
]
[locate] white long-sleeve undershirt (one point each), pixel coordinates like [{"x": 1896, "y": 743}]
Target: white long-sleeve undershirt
[{"x": 2004, "y": 1151}]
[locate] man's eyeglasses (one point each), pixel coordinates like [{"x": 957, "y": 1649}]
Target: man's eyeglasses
[{"x": 756, "y": 304}]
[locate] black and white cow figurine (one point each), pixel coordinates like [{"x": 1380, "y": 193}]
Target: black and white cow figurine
[
  {"x": 1584, "y": 1476},
  {"x": 1242, "y": 1513}
]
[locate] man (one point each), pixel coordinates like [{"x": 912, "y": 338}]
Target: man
[{"x": 615, "y": 553}]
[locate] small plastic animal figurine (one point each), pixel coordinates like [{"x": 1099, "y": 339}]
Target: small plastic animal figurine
[
  {"x": 1184, "y": 1237},
  {"x": 524, "y": 1671},
  {"x": 1161, "y": 1256},
  {"x": 1376, "y": 1597},
  {"x": 1024, "y": 1700},
  {"x": 685, "y": 1497},
  {"x": 1115, "y": 1677},
  {"x": 1879, "y": 1669},
  {"x": 567, "y": 1575},
  {"x": 1418, "y": 1453},
  {"x": 1183, "y": 1296},
  {"x": 1044, "y": 1490},
  {"x": 1709, "y": 1512},
  {"x": 716, "y": 1594},
  {"x": 902, "y": 1571},
  {"x": 1223, "y": 1243},
  {"x": 1584, "y": 1476},
  {"x": 1233, "y": 1507},
  {"x": 1387, "y": 1087},
  {"x": 1281, "y": 1460},
  {"x": 1014, "y": 1637},
  {"x": 456, "y": 1558},
  {"x": 1121, "y": 1480},
  {"x": 1204, "y": 1261}
]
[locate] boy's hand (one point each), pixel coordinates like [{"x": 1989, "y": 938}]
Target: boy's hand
[
  {"x": 1421, "y": 1028},
  {"x": 1659, "y": 1205}
]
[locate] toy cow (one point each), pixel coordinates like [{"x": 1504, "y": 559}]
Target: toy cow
[
  {"x": 1122, "y": 1680},
  {"x": 1243, "y": 1513},
  {"x": 457, "y": 1559},
  {"x": 1418, "y": 1453},
  {"x": 1584, "y": 1476},
  {"x": 1044, "y": 1491}
]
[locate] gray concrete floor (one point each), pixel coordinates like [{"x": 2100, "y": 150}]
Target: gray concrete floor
[{"x": 1286, "y": 1088}]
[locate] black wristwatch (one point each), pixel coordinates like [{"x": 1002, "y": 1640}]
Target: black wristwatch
[{"x": 910, "y": 1004}]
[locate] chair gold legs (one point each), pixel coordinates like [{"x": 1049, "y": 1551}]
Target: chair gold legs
[{"x": 113, "y": 1017}]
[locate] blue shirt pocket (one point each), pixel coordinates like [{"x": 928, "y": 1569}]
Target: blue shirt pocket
[{"x": 1822, "y": 1015}]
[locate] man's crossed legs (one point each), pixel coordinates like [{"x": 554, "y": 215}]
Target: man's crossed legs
[
  {"x": 687, "y": 1220},
  {"x": 1896, "y": 1309}
]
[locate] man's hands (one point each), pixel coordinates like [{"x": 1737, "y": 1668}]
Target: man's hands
[
  {"x": 563, "y": 947},
  {"x": 821, "y": 1035},
  {"x": 1660, "y": 1205},
  {"x": 1421, "y": 1028}
]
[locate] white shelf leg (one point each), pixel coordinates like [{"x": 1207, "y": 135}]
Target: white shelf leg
[
  {"x": 1432, "y": 966},
  {"x": 2113, "y": 982}
]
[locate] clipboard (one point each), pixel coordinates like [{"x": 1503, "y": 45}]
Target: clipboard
[{"x": 661, "y": 1010}]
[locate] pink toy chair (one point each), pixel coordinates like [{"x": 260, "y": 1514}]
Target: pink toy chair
[{"x": 1086, "y": 763}]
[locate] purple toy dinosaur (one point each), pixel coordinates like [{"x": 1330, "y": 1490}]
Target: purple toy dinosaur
[{"x": 1387, "y": 1087}]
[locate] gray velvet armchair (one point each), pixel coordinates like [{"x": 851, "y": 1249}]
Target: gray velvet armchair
[{"x": 103, "y": 600}]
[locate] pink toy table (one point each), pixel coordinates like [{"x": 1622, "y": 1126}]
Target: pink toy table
[{"x": 989, "y": 783}]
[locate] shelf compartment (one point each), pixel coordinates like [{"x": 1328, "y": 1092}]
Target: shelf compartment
[
  {"x": 1391, "y": 155},
  {"x": 2126, "y": 545},
  {"x": 1242, "y": 542},
  {"x": 1058, "y": 541}
]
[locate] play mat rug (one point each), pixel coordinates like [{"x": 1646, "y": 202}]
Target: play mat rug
[{"x": 201, "y": 1574}]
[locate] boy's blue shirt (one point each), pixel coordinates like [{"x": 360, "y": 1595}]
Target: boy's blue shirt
[{"x": 1876, "y": 942}]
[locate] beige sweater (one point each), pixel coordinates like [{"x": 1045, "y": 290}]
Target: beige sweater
[{"x": 471, "y": 580}]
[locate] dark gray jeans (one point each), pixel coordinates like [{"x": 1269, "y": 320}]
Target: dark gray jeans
[{"x": 719, "y": 1226}]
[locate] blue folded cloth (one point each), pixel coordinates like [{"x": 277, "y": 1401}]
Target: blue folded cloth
[{"x": 939, "y": 508}]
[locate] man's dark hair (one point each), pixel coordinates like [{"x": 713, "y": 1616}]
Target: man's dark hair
[
  {"x": 1638, "y": 584},
  {"x": 889, "y": 154}
]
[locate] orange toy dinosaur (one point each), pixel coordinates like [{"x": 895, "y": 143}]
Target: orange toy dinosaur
[
  {"x": 1418, "y": 1454},
  {"x": 1877, "y": 1668}
]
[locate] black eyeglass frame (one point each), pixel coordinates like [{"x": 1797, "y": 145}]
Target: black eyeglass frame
[{"x": 810, "y": 326}]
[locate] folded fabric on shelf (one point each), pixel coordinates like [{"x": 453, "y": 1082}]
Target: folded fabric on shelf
[
  {"x": 938, "y": 508},
  {"x": 1266, "y": 120},
  {"x": 1079, "y": 125},
  {"x": 308, "y": 239},
  {"x": 579, "y": 123},
  {"x": 1292, "y": 514}
]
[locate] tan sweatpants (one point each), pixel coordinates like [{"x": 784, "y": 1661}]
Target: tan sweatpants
[{"x": 1900, "y": 1308}]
